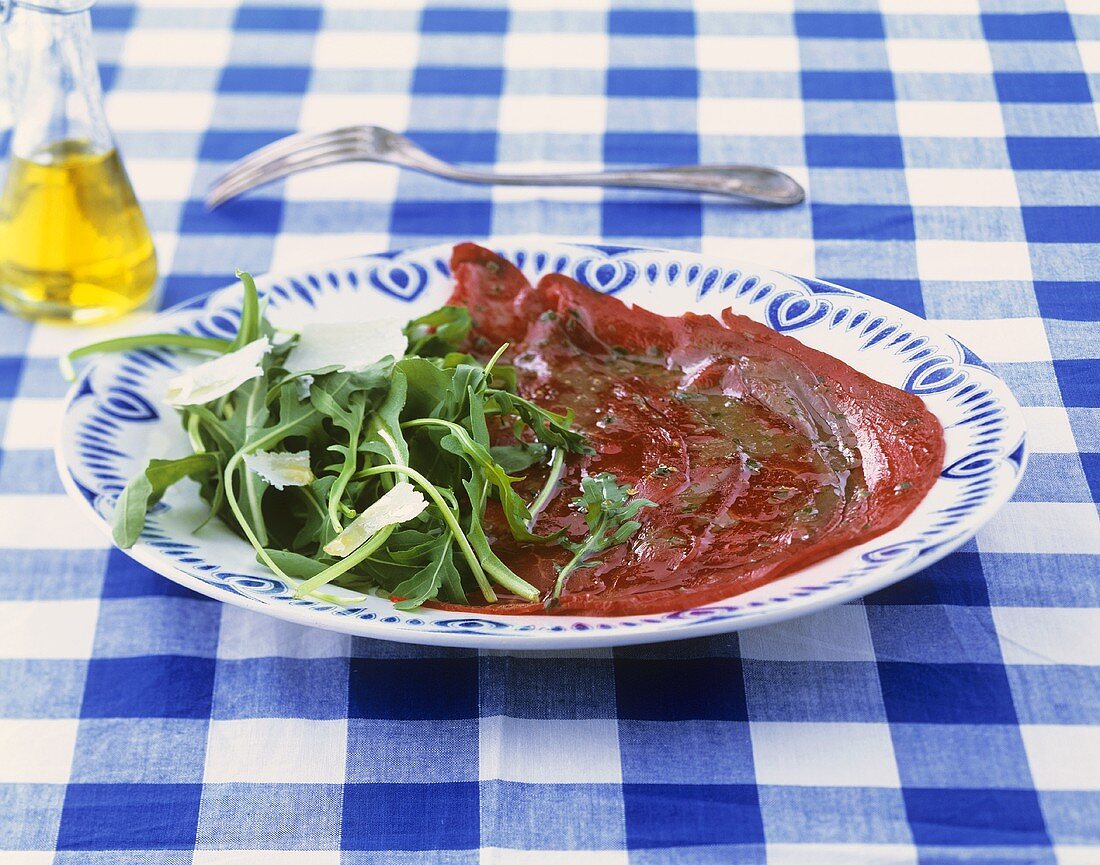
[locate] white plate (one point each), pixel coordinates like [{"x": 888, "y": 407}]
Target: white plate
[{"x": 114, "y": 422}]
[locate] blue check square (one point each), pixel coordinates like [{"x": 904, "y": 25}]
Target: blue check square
[
  {"x": 11, "y": 368},
  {"x": 151, "y": 686},
  {"x": 976, "y": 817},
  {"x": 651, "y": 22},
  {"x": 129, "y": 817},
  {"x": 417, "y": 219},
  {"x": 657, "y": 148},
  {"x": 626, "y": 219},
  {"x": 1054, "y": 153},
  {"x": 231, "y": 144},
  {"x": 264, "y": 79},
  {"x": 420, "y": 689},
  {"x": 905, "y": 293},
  {"x": 847, "y": 85},
  {"x": 251, "y": 215},
  {"x": 278, "y": 18},
  {"x": 680, "y": 815},
  {"x": 962, "y": 693},
  {"x": 1054, "y": 87},
  {"x": 410, "y": 816},
  {"x": 457, "y": 81},
  {"x": 691, "y": 689},
  {"x": 1027, "y": 27},
  {"x": 177, "y": 288},
  {"x": 863, "y": 222},
  {"x": 1075, "y": 301},
  {"x": 668, "y": 82},
  {"x": 113, "y": 17},
  {"x": 957, "y": 580},
  {"x": 125, "y": 577},
  {"x": 1078, "y": 382},
  {"x": 854, "y": 151},
  {"x": 1062, "y": 224},
  {"x": 453, "y": 19},
  {"x": 839, "y": 25}
]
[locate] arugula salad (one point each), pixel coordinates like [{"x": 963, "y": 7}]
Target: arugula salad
[{"x": 365, "y": 454}]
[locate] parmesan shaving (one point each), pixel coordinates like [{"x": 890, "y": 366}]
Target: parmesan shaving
[
  {"x": 398, "y": 505},
  {"x": 350, "y": 346},
  {"x": 281, "y": 469},
  {"x": 219, "y": 377}
]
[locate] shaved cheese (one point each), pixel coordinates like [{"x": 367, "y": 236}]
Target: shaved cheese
[
  {"x": 281, "y": 469},
  {"x": 303, "y": 385},
  {"x": 216, "y": 378},
  {"x": 401, "y": 503},
  {"x": 350, "y": 346}
]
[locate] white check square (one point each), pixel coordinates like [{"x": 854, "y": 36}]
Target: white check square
[
  {"x": 31, "y": 423},
  {"x": 549, "y": 751},
  {"x": 48, "y": 629},
  {"x": 265, "y": 857},
  {"x": 1072, "y": 528},
  {"x": 276, "y": 751},
  {"x": 502, "y": 856},
  {"x": 1049, "y": 430},
  {"x": 247, "y": 634},
  {"x": 300, "y": 250},
  {"x": 168, "y": 111},
  {"x": 949, "y": 119},
  {"x": 1088, "y": 854},
  {"x": 823, "y": 755},
  {"x": 720, "y": 116},
  {"x": 747, "y": 53},
  {"x": 324, "y": 111},
  {"x": 1089, "y": 49},
  {"x": 48, "y": 522},
  {"x": 842, "y": 854},
  {"x": 150, "y": 46},
  {"x": 1063, "y": 756},
  {"x": 929, "y": 7},
  {"x": 963, "y": 187},
  {"x": 973, "y": 260},
  {"x": 560, "y": 51},
  {"x": 838, "y": 634},
  {"x": 547, "y": 113},
  {"x": 796, "y": 254},
  {"x": 1002, "y": 340},
  {"x": 365, "y": 49},
  {"x": 162, "y": 179},
  {"x": 37, "y": 750},
  {"x": 939, "y": 55},
  {"x": 1049, "y": 635}
]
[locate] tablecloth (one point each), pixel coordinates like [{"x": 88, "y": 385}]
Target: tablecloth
[{"x": 951, "y": 158}]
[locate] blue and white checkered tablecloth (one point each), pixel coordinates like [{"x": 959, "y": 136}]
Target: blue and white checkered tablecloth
[{"x": 951, "y": 154}]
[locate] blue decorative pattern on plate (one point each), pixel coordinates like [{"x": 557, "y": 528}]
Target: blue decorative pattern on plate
[{"x": 114, "y": 422}]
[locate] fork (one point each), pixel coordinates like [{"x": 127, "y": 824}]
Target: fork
[{"x": 374, "y": 144}]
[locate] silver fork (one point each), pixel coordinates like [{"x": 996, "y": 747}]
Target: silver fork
[{"x": 374, "y": 144}]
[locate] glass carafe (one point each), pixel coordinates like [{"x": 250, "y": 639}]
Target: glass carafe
[{"x": 74, "y": 244}]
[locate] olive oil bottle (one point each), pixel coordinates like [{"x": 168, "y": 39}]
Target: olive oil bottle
[{"x": 74, "y": 244}]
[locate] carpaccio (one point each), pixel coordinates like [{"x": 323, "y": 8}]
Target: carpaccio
[{"x": 762, "y": 455}]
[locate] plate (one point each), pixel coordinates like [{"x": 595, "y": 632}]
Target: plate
[{"x": 114, "y": 422}]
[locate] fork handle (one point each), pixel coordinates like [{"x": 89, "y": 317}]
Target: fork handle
[{"x": 746, "y": 182}]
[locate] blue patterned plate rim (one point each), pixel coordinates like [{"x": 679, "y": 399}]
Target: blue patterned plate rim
[{"x": 112, "y": 423}]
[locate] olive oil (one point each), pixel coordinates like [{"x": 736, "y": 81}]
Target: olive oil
[{"x": 74, "y": 244}]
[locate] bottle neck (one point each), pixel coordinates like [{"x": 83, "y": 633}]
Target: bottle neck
[{"x": 56, "y": 96}]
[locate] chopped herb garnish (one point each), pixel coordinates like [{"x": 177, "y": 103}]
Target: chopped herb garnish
[{"x": 609, "y": 513}]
